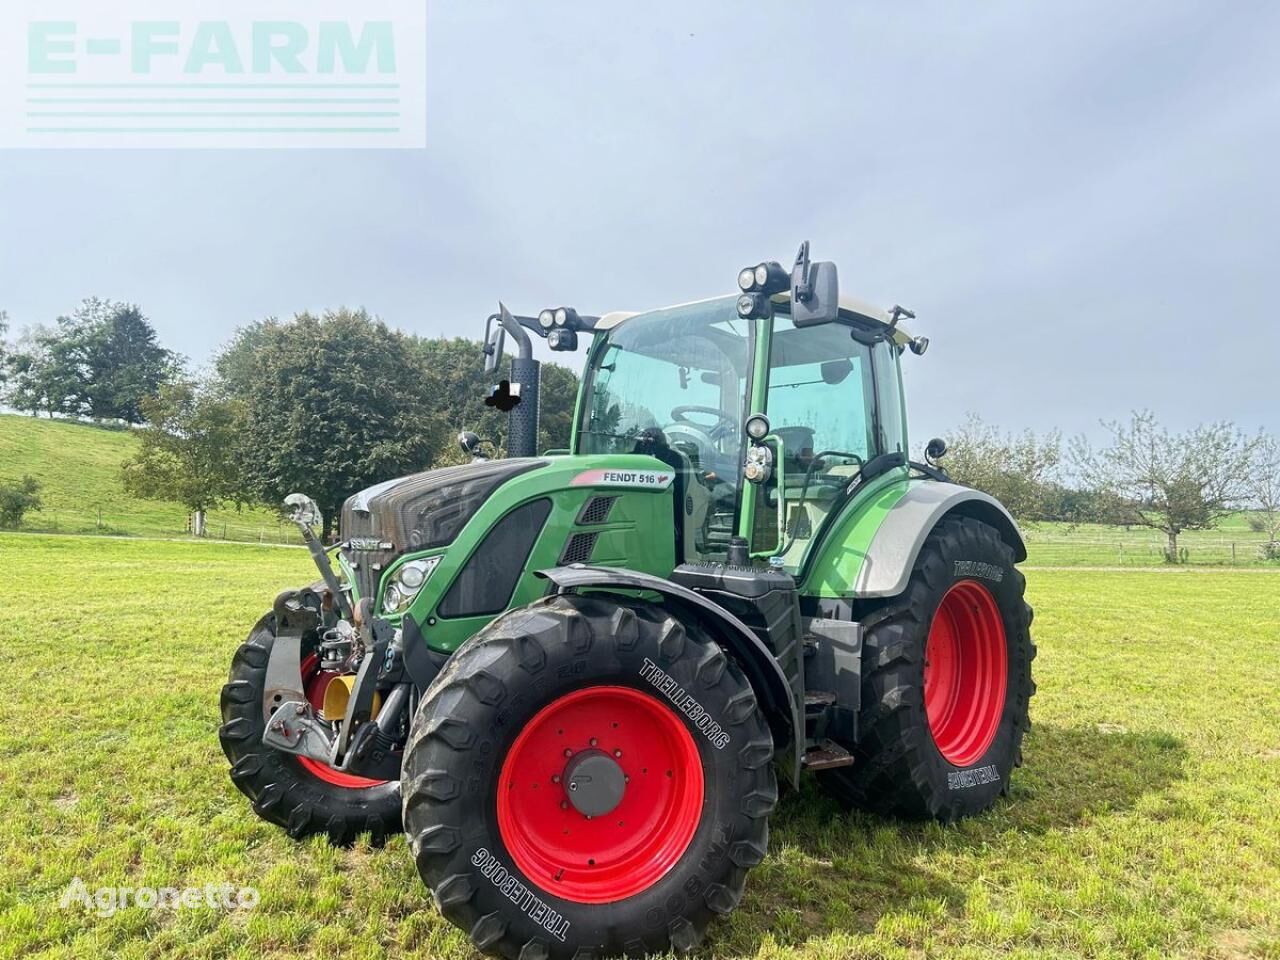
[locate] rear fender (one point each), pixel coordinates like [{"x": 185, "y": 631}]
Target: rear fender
[
  {"x": 892, "y": 553},
  {"x": 762, "y": 671}
]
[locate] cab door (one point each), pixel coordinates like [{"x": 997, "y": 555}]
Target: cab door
[{"x": 821, "y": 402}]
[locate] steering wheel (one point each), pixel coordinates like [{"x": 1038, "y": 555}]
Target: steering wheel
[{"x": 724, "y": 423}]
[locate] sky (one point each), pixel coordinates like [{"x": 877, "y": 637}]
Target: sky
[{"x": 1080, "y": 201}]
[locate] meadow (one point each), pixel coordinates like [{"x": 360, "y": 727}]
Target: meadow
[
  {"x": 1144, "y": 823},
  {"x": 78, "y": 467}
]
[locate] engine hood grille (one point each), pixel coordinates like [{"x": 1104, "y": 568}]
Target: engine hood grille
[{"x": 419, "y": 512}]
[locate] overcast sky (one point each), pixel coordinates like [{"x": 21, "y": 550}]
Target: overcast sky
[{"x": 1079, "y": 200}]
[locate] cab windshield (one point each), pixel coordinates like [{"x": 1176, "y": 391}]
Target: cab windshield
[{"x": 673, "y": 384}]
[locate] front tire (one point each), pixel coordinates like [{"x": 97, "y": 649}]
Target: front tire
[
  {"x": 661, "y": 732},
  {"x": 300, "y": 794},
  {"x": 946, "y": 683}
]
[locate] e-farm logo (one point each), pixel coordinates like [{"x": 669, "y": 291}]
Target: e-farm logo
[{"x": 196, "y": 74}]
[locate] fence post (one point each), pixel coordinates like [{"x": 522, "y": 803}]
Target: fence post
[{"x": 1233, "y": 553}]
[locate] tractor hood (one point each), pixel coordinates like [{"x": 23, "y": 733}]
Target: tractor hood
[{"x": 419, "y": 512}]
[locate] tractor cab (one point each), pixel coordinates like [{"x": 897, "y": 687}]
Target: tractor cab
[{"x": 685, "y": 383}]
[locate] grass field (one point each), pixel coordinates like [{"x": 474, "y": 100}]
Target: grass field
[
  {"x": 78, "y": 466},
  {"x": 1144, "y": 823}
]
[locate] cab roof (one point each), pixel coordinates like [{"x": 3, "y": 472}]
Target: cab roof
[{"x": 850, "y": 307}]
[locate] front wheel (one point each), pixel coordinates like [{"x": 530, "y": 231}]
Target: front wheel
[
  {"x": 300, "y": 794},
  {"x": 946, "y": 682},
  {"x": 588, "y": 777}
]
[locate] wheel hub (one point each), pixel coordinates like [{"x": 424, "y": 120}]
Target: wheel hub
[{"x": 595, "y": 783}]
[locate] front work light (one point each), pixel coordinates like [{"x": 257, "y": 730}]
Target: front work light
[{"x": 546, "y": 318}]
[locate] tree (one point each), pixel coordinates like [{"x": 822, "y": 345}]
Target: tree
[
  {"x": 456, "y": 368},
  {"x": 1264, "y": 491},
  {"x": 1015, "y": 469},
  {"x": 100, "y": 362},
  {"x": 36, "y": 380},
  {"x": 328, "y": 405},
  {"x": 4, "y": 347},
  {"x": 121, "y": 361},
  {"x": 187, "y": 452},
  {"x": 1168, "y": 482},
  {"x": 16, "y": 498}
]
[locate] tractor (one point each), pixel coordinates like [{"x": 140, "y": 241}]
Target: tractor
[{"x": 576, "y": 678}]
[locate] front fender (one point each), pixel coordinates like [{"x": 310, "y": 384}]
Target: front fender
[{"x": 757, "y": 662}]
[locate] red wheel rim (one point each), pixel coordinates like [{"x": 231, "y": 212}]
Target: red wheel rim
[
  {"x": 965, "y": 673},
  {"x": 314, "y": 682},
  {"x": 615, "y": 855}
]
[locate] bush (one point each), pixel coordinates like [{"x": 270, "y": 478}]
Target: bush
[{"x": 16, "y": 498}]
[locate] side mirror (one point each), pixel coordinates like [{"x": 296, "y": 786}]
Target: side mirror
[
  {"x": 495, "y": 338},
  {"x": 470, "y": 443},
  {"x": 935, "y": 450},
  {"x": 815, "y": 293}
]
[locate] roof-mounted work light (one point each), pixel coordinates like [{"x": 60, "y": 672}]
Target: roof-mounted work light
[
  {"x": 755, "y": 306},
  {"x": 767, "y": 278},
  {"x": 562, "y": 338}
]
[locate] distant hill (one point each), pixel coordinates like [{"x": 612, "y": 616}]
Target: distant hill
[{"x": 78, "y": 466}]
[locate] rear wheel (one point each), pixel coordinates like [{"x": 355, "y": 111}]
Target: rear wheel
[
  {"x": 946, "y": 682},
  {"x": 298, "y": 793},
  {"x": 588, "y": 777}
]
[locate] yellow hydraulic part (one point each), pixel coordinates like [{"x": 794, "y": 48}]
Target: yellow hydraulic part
[{"x": 338, "y": 693}]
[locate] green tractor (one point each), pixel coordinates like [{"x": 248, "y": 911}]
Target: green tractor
[{"x": 574, "y": 679}]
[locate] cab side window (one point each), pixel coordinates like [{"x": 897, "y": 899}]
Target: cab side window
[{"x": 821, "y": 404}]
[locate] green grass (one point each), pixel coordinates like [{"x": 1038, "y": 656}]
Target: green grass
[
  {"x": 78, "y": 466},
  {"x": 1144, "y": 823},
  {"x": 1230, "y": 543}
]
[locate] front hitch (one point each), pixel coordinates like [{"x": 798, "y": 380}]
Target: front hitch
[{"x": 364, "y": 745}]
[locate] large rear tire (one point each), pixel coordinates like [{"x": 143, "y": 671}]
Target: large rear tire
[
  {"x": 946, "y": 683},
  {"x": 664, "y": 737},
  {"x": 297, "y": 793}
]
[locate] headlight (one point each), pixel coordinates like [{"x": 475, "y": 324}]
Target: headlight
[{"x": 406, "y": 583}]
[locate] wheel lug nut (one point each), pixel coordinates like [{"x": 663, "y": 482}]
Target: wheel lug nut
[
  {"x": 594, "y": 741},
  {"x": 617, "y": 753},
  {"x": 555, "y": 778},
  {"x": 568, "y": 752},
  {"x": 564, "y": 804}
]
